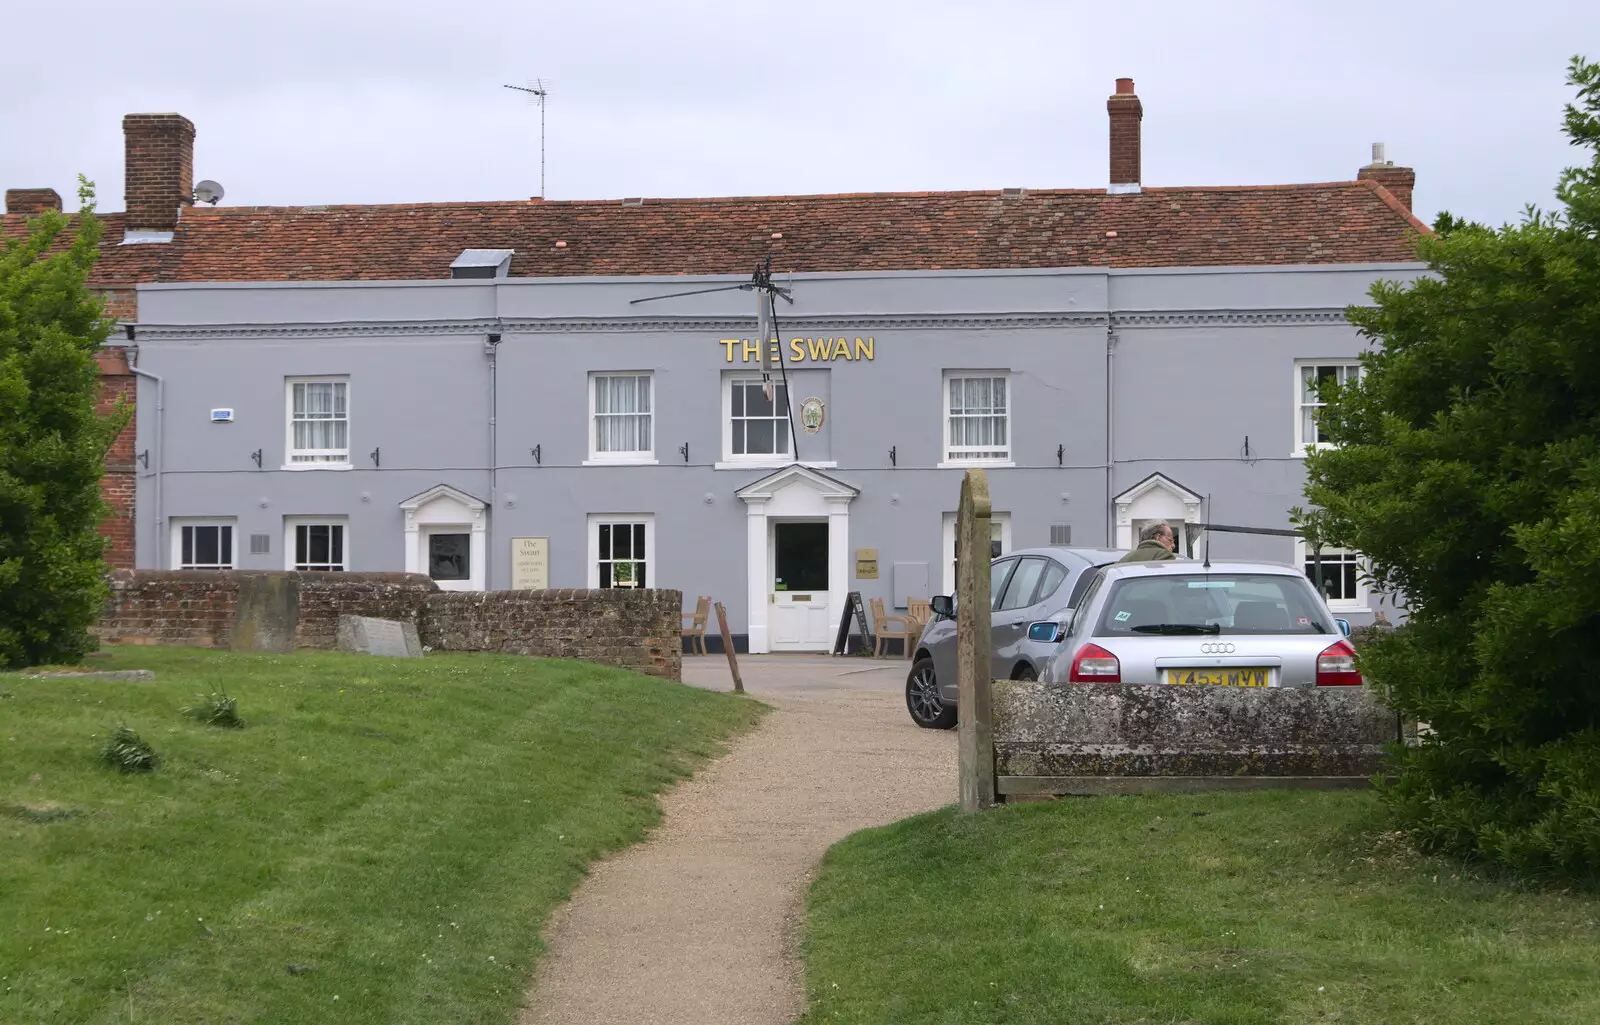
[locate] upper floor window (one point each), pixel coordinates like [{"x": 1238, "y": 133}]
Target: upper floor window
[
  {"x": 202, "y": 544},
  {"x": 756, "y": 419},
  {"x": 622, "y": 415},
  {"x": 319, "y": 421},
  {"x": 977, "y": 408},
  {"x": 1309, "y": 375}
]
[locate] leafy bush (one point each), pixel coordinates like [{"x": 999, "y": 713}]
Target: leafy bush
[
  {"x": 216, "y": 708},
  {"x": 126, "y": 751},
  {"x": 52, "y": 441},
  {"x": 1468, "y": 471}
]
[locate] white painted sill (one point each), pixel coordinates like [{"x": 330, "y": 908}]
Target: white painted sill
[
  {"x": 625, "y": 461},
  {"x": 297, "y": 467},
  {"x": 981, "y": 464},
  {"x": 766, "y": 464}
]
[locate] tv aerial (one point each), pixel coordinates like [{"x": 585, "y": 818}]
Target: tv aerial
[
  {"x": 208, "y": 191},
  {"x": 768, "y": 292}
]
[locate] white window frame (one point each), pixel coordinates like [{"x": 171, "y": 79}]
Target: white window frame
[
  {"x": 948, "y": 540},
  {"x": 946, "y": 461},
  {"x": 646, "y": 457},
  {"x": 289, "y": 450},
  {"x": 289, "y": 551},
  {"x": 1301, "y": 446},
  {"x": 1362, "y": 602},
  {"x": 177, "y": 523},
  {"x": 593, "y": 530},
  {"x": 729, "y": 459}
]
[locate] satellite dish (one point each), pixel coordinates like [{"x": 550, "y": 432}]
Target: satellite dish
[{"x": 208, "y": 191}]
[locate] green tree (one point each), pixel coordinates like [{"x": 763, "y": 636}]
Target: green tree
[
  {"x": 52, "y": 441},
  {"x": 1468, "y": 471}
]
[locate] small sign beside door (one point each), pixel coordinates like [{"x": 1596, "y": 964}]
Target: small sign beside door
[
  {"x": 530, "y": 563},
  {"x": 866, "y": 564}
]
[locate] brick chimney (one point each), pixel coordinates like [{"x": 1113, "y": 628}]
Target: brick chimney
[
  {"x": 159, "y": 170},
  {"x": 1398, "y": 180},
  {"x": 32, "y": 201},
  {"x": 1126, "y": 112}
]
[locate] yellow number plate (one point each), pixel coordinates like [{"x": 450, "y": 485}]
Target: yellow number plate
[{"x": 1230, "y": 677}]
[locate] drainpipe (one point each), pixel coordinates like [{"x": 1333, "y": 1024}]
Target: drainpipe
[
  {"x": 158, "y": 446},
  {"x": 1111, "y": 364},
  {"x": 492, "y": 348}
]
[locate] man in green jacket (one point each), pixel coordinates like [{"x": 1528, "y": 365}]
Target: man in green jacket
[{"x": 1155, "y": 543}]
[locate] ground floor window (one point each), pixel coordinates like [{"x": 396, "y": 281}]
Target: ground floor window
[
  {"x": 450, "y": 556},
  {"x": 202, "y": 544},
  {"x": 621, "y": 550},
  {"x": 317, "y": 546},
  {"x": 999, "y": 544},
  {"x": 1338, "y": 573}
]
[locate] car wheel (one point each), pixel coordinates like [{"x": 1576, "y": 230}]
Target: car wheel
[
  {"x": 927, "y": 708},
  {"x": 1025, "y": 674}
]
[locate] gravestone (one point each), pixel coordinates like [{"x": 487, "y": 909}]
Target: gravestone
[
  {"x": 266, "y": 613},
  {"x": 390, "y": 638}
]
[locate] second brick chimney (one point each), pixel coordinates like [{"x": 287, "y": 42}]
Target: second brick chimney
[
  {"x": 159, "y": 170},
  {"x": 1398, "y": 180},
  {"x": 1126, "y": 112},
  {"x": 32, "y": 201}
]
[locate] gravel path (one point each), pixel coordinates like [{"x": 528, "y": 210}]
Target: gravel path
[{"x": 699, "y": 924}]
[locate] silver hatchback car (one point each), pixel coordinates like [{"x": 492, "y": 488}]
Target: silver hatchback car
[
  {"x": 1025, "y": 588},
  {"x": 1238, "y": 624},
  {"x": 1178, "y": 622}
]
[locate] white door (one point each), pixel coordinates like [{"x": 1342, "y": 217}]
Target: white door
[{"x": 800, "y": 609}]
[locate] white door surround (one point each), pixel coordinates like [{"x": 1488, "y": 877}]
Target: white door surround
[
  {"x": 793, "y": 493},
  {"x": 1157, "y": 497},
  {"x": 444, "y": 510}
]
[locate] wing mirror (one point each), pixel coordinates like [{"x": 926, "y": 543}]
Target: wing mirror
[
  {"x": 1344, "y": 626},
  {"x": 943, "y": 605},
  {"x": 1048, "y": 632}
]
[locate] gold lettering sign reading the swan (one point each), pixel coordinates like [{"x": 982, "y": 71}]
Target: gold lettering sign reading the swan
[{"x": 800, "y": 350}]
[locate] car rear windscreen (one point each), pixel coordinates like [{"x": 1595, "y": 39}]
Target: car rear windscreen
[{"x": 1213, "y": 603}]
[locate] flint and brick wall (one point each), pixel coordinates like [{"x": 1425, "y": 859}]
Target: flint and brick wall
[{"x": 636, "y": 630}]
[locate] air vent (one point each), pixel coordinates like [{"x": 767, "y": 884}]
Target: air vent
[
  {"x": 1061, "y": 534},
  {"x": 633, "y": 201},
  {"x": 260, "y": 544},
  {"x": 1013, "y": 193},
  {"x": 482, "y": 263}
]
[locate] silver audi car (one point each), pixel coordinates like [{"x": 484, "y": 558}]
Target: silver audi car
[
  {"x": 1232, "y": 624},
  {"x": 1179, "y": 622}
]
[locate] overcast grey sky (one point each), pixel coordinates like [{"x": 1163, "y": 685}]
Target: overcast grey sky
[{"x": 339, "y": 101}]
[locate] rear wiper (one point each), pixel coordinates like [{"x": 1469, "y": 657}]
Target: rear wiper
[{"x": 1177, "y": 628}]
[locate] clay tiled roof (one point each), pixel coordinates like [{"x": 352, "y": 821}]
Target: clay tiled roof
[{"x": 1335, "y": 222}]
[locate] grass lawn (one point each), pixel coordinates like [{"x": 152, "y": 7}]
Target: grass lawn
[
  {"x": 1277, "y": 907},
  {"x": 381, "y": 842}
]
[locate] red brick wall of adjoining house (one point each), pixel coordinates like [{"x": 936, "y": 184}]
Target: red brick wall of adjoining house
[{"x": 118, "y": 484}]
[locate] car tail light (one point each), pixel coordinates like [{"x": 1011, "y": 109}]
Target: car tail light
[
  {"x": 1094, "y": 664},
  {"x": 1336, "y": 666}
]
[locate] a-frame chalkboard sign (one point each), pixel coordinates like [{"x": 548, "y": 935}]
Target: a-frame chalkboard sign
[{"x": 852, "y": 606}]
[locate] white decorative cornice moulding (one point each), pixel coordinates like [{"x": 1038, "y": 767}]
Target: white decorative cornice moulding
[{"x": 797, "y": 325}]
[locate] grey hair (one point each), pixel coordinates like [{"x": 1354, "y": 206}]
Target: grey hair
[{"x": 1153, "y": 530}]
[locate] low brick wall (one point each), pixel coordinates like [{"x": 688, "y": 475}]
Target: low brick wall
[
  {"x": 1100, "y": 738},
  {"x": 324, "y": 597},
  {"x": 636, "y": 630},
  {"x": 192, "y": 607}
]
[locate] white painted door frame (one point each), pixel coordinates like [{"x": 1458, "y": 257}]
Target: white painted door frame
[{"x": 795, "y": 492}]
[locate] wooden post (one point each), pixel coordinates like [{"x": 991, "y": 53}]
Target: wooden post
[
  {"x": 727, "y": 645},
  {"x": 973, "y": 669}
]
